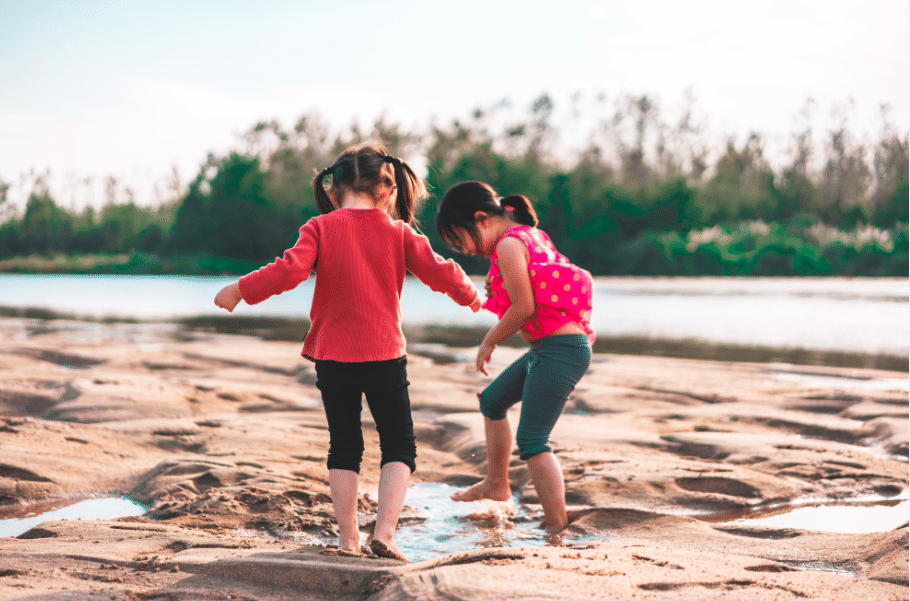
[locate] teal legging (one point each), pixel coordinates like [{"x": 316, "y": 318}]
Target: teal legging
[{"x": 542, "y": 380}]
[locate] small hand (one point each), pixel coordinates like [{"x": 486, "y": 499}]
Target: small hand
[
  {"x": 483, "y": 356},
  {"x": 228, "y": 297}
]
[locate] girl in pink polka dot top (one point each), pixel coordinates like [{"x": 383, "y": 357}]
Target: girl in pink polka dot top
[
  {"x": 562, "y": 291},
  {"x": 536, "y": 291}
]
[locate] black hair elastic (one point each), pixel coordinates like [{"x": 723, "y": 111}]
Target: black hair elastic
[{"x": 387, "y": 158}]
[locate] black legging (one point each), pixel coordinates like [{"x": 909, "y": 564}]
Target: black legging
[{"x": 385, "y": 384}]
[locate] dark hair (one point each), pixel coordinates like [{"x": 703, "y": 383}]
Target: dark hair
[
  {"x": 462, "y": 201},
  {"x": 363, "y": 168}
]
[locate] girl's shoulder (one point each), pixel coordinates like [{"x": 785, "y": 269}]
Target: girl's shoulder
[
  {"x": 519, "y": 232},
  {"x": 525, "y": 233},
  {"x": 536, "y": 239},
  {"x": 541, "y": 249}
]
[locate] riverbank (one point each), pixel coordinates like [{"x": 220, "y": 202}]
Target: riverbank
[
  {"x": 825, "y": 321},
  {"x": 294, "y": 329},
  {"x": 125, "y": 264},
  {"x": 652, "y": 255},
  {"x": 224, "y": 439}
]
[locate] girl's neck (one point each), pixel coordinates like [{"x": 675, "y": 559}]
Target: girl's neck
[
  {"x": 502, "y": 224},
  {"x": 358, "y": 200}
]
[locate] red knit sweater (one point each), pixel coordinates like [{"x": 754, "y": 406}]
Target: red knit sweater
[{"x": 359, "y": 257}]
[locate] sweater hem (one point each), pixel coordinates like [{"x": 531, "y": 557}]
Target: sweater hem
[{"x": 358, "y": 360}]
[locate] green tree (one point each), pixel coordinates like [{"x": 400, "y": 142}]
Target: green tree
[
  {"x": 890, "y": 195},
  {"x": 229, "y": 214},
  {"x": 5, "y": 208},
  {"x": 795, "y": 191},
  {"x": 845, "y": 180},
  {"x": 45, "y": 227},
  {"x": 739, "y": 188}
]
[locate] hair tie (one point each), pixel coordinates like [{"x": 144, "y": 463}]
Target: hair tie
[
  {"x": 387, "y": 158},
  {"x": 327, "y": 171},
  {"x": 508, "y": 208}
]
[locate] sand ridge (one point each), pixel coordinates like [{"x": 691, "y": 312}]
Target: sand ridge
[{"x": 224, "y": 439}]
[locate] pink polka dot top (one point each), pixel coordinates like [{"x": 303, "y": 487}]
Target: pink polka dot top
[{"x": 563, "y": 292}]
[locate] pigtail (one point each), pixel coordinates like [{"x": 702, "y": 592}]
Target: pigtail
[
  {"x": 522, "y": 208},
  {"x": 322, "y": 197},
  {"x": 362, "y": 168},
  {"x": 411, "y": 189}
]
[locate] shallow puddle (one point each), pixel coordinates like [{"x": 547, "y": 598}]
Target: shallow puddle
[
  {"x": 863, "y": 517},
  {"x": 842, "y": 382},
  {"x": 451, "y": 527},
  {"x": 15, "y": 521}
]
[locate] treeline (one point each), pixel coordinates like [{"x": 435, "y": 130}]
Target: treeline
[{"x": 640, "y": 197}]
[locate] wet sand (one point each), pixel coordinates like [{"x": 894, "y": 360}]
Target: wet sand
[{"x": 224, "y": 439}]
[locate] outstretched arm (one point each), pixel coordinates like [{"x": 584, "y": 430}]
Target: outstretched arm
[
  {"x": 441, "y": 275},
  {"x": 286, "y": 272},
  {"x": 512, "y": 259}
]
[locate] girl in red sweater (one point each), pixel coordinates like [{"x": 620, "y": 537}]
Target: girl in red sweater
[{"x": 360, "y": 253}]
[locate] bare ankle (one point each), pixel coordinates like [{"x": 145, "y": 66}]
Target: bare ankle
[
  {"x": 383, "y": 536},
  {"x": 349, "y": 541},
  {"x": 555, "y": 525}
]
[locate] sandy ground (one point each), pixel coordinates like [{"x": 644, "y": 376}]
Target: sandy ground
[{"x": 225, "y": 440}]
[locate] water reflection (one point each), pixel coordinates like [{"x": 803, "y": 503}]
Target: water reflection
[
  {"x": 843, "y": 518},
  {"x": 18, "y": 520},
  {"x": 858, "y": 516},
  {"x": 448, "y": 527}
]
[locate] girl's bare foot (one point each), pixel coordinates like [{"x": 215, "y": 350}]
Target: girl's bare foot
[
  {"x": 484, "y": 490},
  {"x": 352, "y": 545},
  {"x": 387, "y": 550}
]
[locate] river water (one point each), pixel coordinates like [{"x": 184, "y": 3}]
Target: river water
[{"x": 860, "y": 315}]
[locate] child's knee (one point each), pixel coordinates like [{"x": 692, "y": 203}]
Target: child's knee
[
  {"x": 491, "y": 408},
  {"x": 345, "y": 452},
  {"x": 343, "y": 462},
  {"x": 406, "y": 454},
  {"x": 529, "y": 445},
  {"x": 401, "y": 448},
  {"x": 408, "y": 460}
]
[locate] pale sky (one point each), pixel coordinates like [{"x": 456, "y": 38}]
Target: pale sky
[{"x": 133, "y": 89}]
